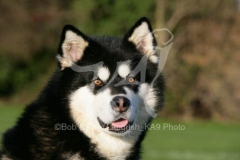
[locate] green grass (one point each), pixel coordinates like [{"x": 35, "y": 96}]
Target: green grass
[
  {"x": 8, "y": 117},
  {"x": 198, "y": 141},
  {"x": 203, "y": 140}
]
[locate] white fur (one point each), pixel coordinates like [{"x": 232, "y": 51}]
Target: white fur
[
  {"x": 103, "y": 73},
  {"x": 143, "y": 39},
  {"x": 73, "y": 48},
  {"x": 145, "y": 98},
  {"x": 102, "y": 106},
  {"x": 86, "y": 107},
  {"x": 154, "y": 59},
  {"x": 147, "y": 92},
  {"x": 82, "y": 109},
  {"x": 123, "y": 70}
]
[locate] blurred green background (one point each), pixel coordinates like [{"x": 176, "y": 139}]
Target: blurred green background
[{"x": 201, "y": 73}]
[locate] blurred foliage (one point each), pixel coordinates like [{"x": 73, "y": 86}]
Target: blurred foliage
[
  {"x": 203, "y": 65},
  {"x": 16, "y": 73},
  {"x": 108, "y": 17},
  {"x": 202, "y": 68}
]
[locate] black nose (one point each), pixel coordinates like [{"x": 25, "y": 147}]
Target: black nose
[{"x": 120, "y": 104}]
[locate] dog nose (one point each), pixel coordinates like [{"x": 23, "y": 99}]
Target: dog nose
[{"x": 120, "y": 104}]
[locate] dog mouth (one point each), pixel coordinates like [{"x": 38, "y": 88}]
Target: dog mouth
[{"x": 119, "y": 126}]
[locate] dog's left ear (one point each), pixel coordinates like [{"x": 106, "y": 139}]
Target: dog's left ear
[{"x": 141, "y": 36}]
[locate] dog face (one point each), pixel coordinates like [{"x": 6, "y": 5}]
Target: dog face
[{"x": 109, "y": 80}]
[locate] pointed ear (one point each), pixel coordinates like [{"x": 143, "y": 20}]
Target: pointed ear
[
  {"x": 71, "y": 47},
  {"x": 142, "y": 37}
]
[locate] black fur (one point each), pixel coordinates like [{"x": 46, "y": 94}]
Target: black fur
[{"x": 34, "y": 136}]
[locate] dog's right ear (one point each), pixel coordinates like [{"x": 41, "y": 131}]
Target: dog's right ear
[
  {"x": 142, "y": 37},
  {"x": 71, "y": 47}
]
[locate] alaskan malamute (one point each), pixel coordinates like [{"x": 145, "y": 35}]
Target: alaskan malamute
[{"x": 98, "y": 102}]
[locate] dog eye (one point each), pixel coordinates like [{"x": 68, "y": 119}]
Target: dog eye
[
  {"x": 131, "y": 79},
  {"x": 97, "y": 82}
]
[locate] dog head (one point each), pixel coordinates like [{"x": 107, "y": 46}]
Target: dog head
[{"x": 108, "y": 81}]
